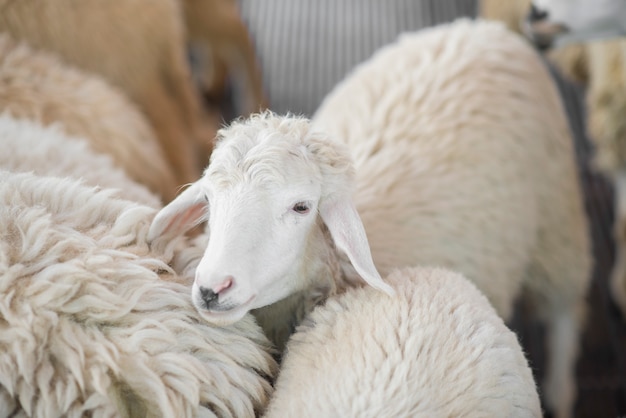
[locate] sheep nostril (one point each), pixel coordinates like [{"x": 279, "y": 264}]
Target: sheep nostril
[{"x": 226, "y": 284}]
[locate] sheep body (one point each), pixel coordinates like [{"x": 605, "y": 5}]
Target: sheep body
[
  {"x": 442, "y": 179},
  {"x": 94, "y": 321},
  {"x": 600, "y": 65},
  {"x": 38, "y": 86},
  {"x": 137, "y": 46},
  {"x": 464, "y": 159},
  {"x": 48, "y": 151},
  {"x": 437, "y": 348}
]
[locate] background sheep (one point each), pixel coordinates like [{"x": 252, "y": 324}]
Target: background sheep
[
  {"x": 222, "y": 48},
  {"x": 600, "y": 64},
  {"x": 138, "y": 46},
  {"x": 37, "y": 86},
  {"x": 95, "y": 322},
  {"x": 461, "y": 129},
  {"x": 562, "y": 22},
  {"x": 463, "y": 159},
  {"x": 437, "y": 348}
]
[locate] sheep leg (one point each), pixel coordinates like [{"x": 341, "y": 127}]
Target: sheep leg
[
  {"x": 606, "y": 103},
  {"x": 618, "y": 275},
  {"x": 560, "y": 383}
]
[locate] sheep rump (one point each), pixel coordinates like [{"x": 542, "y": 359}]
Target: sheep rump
[
  {"x": 94, "y": 321},
  {"x": 437, "y": 348}
]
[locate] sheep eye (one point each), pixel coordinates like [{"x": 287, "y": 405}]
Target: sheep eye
[{"x": 301, "y": 208}]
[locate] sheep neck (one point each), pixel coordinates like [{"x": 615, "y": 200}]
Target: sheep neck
[{"x": 322, "y": 275}]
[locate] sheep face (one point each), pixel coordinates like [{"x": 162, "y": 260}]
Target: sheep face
[
  {"x": 258, "y": 233},
  {"x": 270, "y": 182},
  {"x": 549, "y": 19}
]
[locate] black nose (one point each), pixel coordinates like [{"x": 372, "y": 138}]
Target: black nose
[
  {"x": 209, "y": 297},
  {"x": 536, "y": 14}
]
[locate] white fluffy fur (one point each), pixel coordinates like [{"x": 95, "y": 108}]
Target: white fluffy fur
[
  {"x": 436, "y": 349},
  {"x": 48, "y": 151},
  {"x": 94, "y": 321},
  {"x": 463, "y": 159}
]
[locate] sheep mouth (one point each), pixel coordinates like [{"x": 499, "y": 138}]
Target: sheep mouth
[{"x": 226, "y": 313}]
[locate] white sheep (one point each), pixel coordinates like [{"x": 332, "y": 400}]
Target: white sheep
[
  {"x": 463, "y": 159},
  {"x": 599, "y": 63},
  {"x": 436, "y": 349},
  {"x": 38, "y": 86},
  {"x": 588, "y": 50},
  {"x": 137, "y": 46},
  {"x": 94, "y": 322}
]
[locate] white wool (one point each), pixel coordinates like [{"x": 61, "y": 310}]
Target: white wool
[
  {"x": 436, "y": 349},
  {"x": 94, "y": 321},
  {"x": 464, "y": 159},
  {"x": 29, "y": 147}
]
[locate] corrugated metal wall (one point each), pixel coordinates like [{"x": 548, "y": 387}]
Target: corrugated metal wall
[{"x": 306, "y": 46}]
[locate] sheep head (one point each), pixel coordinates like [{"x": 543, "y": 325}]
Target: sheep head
[
  {"x": 571, "y": 21},
  {"x": 268, "y": 181}
]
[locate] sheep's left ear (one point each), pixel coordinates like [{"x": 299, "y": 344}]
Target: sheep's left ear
[
  {"x": 345, "y": 226},
  {"x": 181, "y": 214}
]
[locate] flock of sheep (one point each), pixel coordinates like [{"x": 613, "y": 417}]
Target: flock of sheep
[{"x": 362, "y": 263}]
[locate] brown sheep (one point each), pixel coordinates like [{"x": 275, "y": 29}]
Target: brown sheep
[{"x": 138, "y": 46}]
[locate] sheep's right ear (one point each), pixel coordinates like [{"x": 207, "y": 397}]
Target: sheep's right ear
[
  {"x": 345, "y": 226},
  {"x": 181, "y": 214}
]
